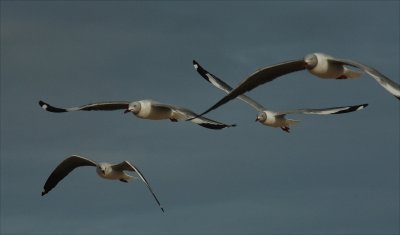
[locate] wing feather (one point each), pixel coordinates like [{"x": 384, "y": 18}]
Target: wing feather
[
  {"x": 218, "y": 83},
  {"x": 99, "y": 106},
  {"x": 389, "y": 85},
  {"x": 63, "y": 169},
  {"x": 127, "y": 166},
  {"x": 260, "y": 77},
  {"x": 326, "y": 111}
]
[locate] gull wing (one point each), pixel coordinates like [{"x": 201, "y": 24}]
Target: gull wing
[
  {"x": 184, "y": 114},
  {"x": 218, "y": 83},
  {"x": 260, "y": 77},
  {"x": 99, "y": 106},
  {"x": 389, "y": 85},
  {"x": 127, "y": 166},
  {"x": 325, "y": 111},
  {"x": 63, "y": 169}
]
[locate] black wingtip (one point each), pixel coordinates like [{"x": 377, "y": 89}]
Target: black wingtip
[
  {"x": 50, "y": 108},
  {"x": 216, "y": 127},
  {"x": 200, "y": 70},
  {"x": 352, "y": 109},
  {"x": 44, "y": 193}
]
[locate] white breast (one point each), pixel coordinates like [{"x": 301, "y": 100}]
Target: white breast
[
  {"x": 271, "y": 120},
  {"x": 147, "y": 111}
]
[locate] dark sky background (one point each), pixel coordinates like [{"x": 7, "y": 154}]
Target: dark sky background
[{"x": 335, "y": 174}]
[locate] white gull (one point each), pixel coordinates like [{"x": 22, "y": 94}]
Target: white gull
[
  {"x": 318, "y": 64},
  {"x": 145, "y": 109},
  {"x": 268, "y": 117},
  {"x": 103, "y": 169}
]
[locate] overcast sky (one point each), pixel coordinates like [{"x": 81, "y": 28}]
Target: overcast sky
[{"x": 335, "y": 174}]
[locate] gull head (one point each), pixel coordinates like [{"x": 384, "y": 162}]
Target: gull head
[
  {"x": 102, "y": 169},
  {"x": 134, "y": 107},
  {"x": 311, "y": 61},
  {"x": 261, "y": 117}
]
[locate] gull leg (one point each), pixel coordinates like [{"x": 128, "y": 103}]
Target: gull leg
[
  {"x": 285, "y": 128},
  {"x": 173, "y": 120},
  {"x": 122, "y": 180}
]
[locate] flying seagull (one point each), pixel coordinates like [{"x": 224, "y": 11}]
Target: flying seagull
[
  {"x": 318, "y": 64},
  {"x": 103, "y": 169},
  {"x": 268, "y": 117},
  {"x": 146, "y": 109}
]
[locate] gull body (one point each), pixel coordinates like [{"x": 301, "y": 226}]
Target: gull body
[
  {"x": 268, "y": 117},
  {"x": 104, "y": 169},
  {"x": 147, "y": 109},
  {"x": 144, "y": 109},
  {"x": 273, "y": 119},
  {"x": 322, "y": 66},
  {"x": 319, "y": 64}
]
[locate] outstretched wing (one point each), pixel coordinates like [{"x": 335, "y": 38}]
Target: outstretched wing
[
  {"x": 389, "y": 85},
  {"x": 63, "y": 169},
  {"x": 325, "y": 111},
  {"x": 127, "y": 166},
  {"x": 184, "y": 114},
  {"x": 218, "y": 83},
  {"x": 99, "y": 106},
  {"x": 260, "y": 77}
]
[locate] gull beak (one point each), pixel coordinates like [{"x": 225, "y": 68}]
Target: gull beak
[
  {"x": 126, "y": 111},
  {"x": 103, "y": 171},
  {"x": 257, "y": 119}
]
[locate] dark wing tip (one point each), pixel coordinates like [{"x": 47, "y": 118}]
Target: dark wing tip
[
  {"x": 50, "y": 108},
  {"x": 44, "y": 192},
  {"x": 216, "y": 126},
  {"x": 352, "y": 109},
  {"x": 43, "y": 104}
]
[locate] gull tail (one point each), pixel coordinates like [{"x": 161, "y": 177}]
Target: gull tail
[{"x": 291, "y": 122}]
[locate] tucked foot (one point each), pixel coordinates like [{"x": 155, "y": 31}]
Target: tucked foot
[
  {"x": 285, "y": 128},
  {"x": 342, "y": 77},
  {"x": 173, "y": 120},
  {"x": 122, "y": 180}
]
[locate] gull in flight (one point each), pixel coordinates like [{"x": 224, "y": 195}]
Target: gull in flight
[
  {"x": 103, "y": 169},
  {"x": 268, "y": 117},
  {"x": 318, "y": 64},
  {"x": 146, "y": 109}
]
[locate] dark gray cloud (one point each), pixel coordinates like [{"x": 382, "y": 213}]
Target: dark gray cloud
[{"x": 331, "y": 175}]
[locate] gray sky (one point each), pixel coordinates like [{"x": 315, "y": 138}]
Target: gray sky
[{"x": 332, "y": 175}]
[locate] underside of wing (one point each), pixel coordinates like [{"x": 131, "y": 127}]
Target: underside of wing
[
  {"x": 210, "y": 124},
  {"x": 125, "y": 165},
  {"x": 63, "y": 169},
  {"x": 98, "y": 106},
  {"x": 326, "y": 111},
  {"x": 183, "y": 114},
  {"x": 258, "y": 78},
  {"x": 389, "y": 85},
  {"x": 218, "y": 83}
]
